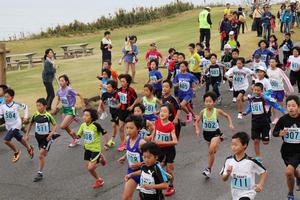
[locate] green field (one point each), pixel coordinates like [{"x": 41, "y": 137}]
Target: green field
[{"x": 175, "y": 31}]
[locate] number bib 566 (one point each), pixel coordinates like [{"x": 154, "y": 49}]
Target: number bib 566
[{"x": 293, "y": 136}]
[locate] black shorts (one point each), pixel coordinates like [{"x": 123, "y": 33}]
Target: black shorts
[
  {"x": 123, "y": 114},
  {"x": 2, "y": 121},
  {"x": 209, "y": 135},
  {"x": 13, "y": 133},
  {"x": 290, "y": 158},
  {"x": 42, "y": 141},
  {"x": 236, "y": 93},
  {"x": 92, "y": 156},
  {"x": 167, "y": 154},
  {"x": 294, "y": 77},
  {"x": 261, "y": 132},
  {"x": 114, "y": 116},
  {"x": 198, "y": 75},
  {"x": 144, "y": 196},
  {"x": 178, "y": 129},
  {"x": 158, "y": 93}
]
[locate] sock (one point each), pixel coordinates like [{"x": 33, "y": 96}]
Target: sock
[{"x": 40, "y": 172}]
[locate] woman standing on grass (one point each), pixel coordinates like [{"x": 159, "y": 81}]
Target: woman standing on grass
[
  {"x": 48, "y": 76},
  {"x": 130, "y": 57}
]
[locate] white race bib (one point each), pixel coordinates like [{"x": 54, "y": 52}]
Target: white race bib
[
  {"x": 162, "y": 136},
  {"x": 123, "y": 98},
  {"x": 64, "y": 101},
  {"x": 241, "y": 182},
  {"x": 293, "y": 136},
  {"x": 257, "y": 108},
  {"x": 88, "y": 136},
  {"x": 42, "y": 128},
  {"x": 133, "y": 157},
  {"x": 184, "y": 86},
  {"x": 214, "y": 72}
]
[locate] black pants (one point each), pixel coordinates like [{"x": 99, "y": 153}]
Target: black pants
[
  {"x": 257, "y": 22},
  {"x": 286, "y": 55},
  {"x": 50, "y": 94},
  {"x": 205, "y": 33},
  {"x": 281, "y": 27},
  {"x": 242, "y": 25}
]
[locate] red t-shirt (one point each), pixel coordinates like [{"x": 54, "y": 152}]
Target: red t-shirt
[
  {"x": 163, "y": 132},
  {"x": 126, "y": 97},
  {"x": 171, "y": 65},
  {"x": 152, "y": 55}
]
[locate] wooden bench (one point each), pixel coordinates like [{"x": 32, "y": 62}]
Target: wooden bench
[
  {"x": 19, "y": 59},
  {"x": 75, "y": 50}
]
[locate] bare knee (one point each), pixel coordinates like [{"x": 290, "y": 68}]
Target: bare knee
[
  {"x": 290, "y": 171},
  {"x": 6, "y": 142}
]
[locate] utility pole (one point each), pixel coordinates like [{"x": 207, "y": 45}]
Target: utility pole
[{"x": 2, "y": 63}]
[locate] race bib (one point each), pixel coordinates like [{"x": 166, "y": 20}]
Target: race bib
[
  {"x": 133, "y": 157},
  {"x": 64, "y": 101},
  {"x": 42, "y": 128},
  {"x": 241, "y": 182},
  {"x": 123, "y": 98},
  {"x": 147, "y": 179},
  {"x": 227, "y": 65},
  {"x": 257, "y": 108},
  {"x": 238, "y": 79},
  {"x": 192, "y": 61},
  {"x": 150, "y": 108},
  {"x": 263, "y": 57},
  {"x": 153, "y": 78},
  {"x": 210, "y": 125},
  {"x": 214, "y": 72},
  {"x": 111, "y": 103},
  {"x": 285, "y": 48},
  {"x": 177, "y": 71},
  {"x": 275, "y": 84},
  {"x": 162, "y": 136},
  {"x": 88, "y": 136},
  {"x": 144, "y": 132},
  {"x": 293, "y": 136},
  {"x": 184, "y": 86},
  {"x": 10, "y": 116},
  {"x": 295, "y": 67}
]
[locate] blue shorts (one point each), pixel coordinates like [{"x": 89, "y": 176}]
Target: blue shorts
[
  {"x": 278, "y": 95},
  {"x": 151, "y": 117},
  {"x": 135, "y": 178},
  {"x": 13, "y": 133},
  {"x": 188, "y": 98}
]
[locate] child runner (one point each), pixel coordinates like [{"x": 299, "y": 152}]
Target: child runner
[
  {"x": 13, "y": 124},
  {"x": 150, "y": 103},
  {"x": 186, "y": 83},
  {"x": 153, "y": 54},
  {"x": 240, "y": 82},
  {"x": 234, "y": 44},
  {"x": 288, "y": 127},
  {"x": 294, "y": 64},
  {"x": 168, "y": 99},
  {"x": 67, "y": 97},
  {"x": 152, "y": 182},
  {"x": 235, "y": 55},
  {"x": 260, "y": 124},
  {"x": 204, "y": 63},
  {"x": 199, "y": 48},
  {"x": 109, "y": 98},
  {"x": 276, "y": 77},
  {"x": 166, "y": 139},
  {"x": 194, "y": 61},
  {"x": 107, "y": 65},
  {"x": 181, "y": 58},
  {"x": 172, "y": 65},
  {"x": 257, "y": 62},
  {"x": 133, "y": 154},
  {"x": 43, "y": 133},
  {"x": 169, "y": 58},
  {"x": 273, "y": 46},
  {"x": 148, "y": 127},
  {"x": 211, "y": 128},
  {"x": 106, "y": 74},
  {"x": 128, "y": 98},
  {"x": 242, "y": 170},
  {"x": 155, "y": 78},
  {"x": 261, "y": 74},
  {"x": 90, "y": 131},
  {"x": 3, "y": 88},
  {"x": 286, "y": 46},
  {"x": 263, "y": 51}
]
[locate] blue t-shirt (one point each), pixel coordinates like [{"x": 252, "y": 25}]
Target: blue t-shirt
[
  {"x": 154, "y": 76},
  {"x": 2, "y": 101},
  {"x": 265, "y": 55},
  {"x": 104, "y": 82},
  {"x": 185, "y": 82}
]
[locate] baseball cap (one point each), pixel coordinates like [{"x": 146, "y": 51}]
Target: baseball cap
[
  {"x": 261, "y": 68},
  {"x": 257, "y": 56},
  {"x": 227, "y": 46},
  {"x": 231, "y": 33}
]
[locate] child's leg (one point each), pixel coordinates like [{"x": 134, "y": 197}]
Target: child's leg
[
  {"x": 188, "y": 106},
  {"x": 129, "y": 189},
  {"x": 126, "y": 68},
  {"x": 42, "y": 155},
  {"x": 212, "y": 150},
  {"x": 256, "y": 143},
  {"x": 132, "y": 65},
  {"x": 11, "y": 145},
  {"x": 216, "y": 88},
  {"x": 183, "y": 105},
  {"x": 91, "y": 167},
  {"x": 122, "y": 126},
  {"x": 239, "y": 101},
  {"x": 25, "y": 144},
  {"x": 170, "y": 170},
  {"x": 66, "y": 123},
  {"x": 290, "y": 178},
  {"x": 114, "y": 130}
]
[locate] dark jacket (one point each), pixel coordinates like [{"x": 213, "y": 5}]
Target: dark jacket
[{"x": 48, "y": 72}]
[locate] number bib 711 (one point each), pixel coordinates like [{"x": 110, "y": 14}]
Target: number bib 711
[{"x": 241, "y": 182}]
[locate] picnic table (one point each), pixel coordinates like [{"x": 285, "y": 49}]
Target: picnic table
[
  {"x": 19, "y": 59},
  {"x": 76, "y": 50}
]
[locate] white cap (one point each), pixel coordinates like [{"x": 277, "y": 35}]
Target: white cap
[
  {"x": 227, "y": 46},
  {"x": 262, "y": 68},
  {"x": 231, "y": 33}
]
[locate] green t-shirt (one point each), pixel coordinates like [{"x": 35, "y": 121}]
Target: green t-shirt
[
  {"x": 42, "y": 122},
  {"x": 91, "y": 137}
]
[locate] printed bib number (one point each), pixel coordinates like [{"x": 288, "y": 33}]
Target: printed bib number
[
  {"x": 257, "y": 108},
  {"x": 88, "y": 136},
  {"x": 295, "y": 67},
  {"x": 227, "y": 65},
  {"x": 214, "y": 72},
  {"x": 238, "y": 79},
  {"x": 111, "y": 103},
  {"x": 149, "y": 108},
  {"x": 162, "y": 136},
  {"x": 274, "y": 84},
  {"x": 123, "y": 98},
  {"x": 147, "y": 179},
  {"x": 293, "y": 136},
  {"x": 64, "y": 101},
  {"x": 285, "y": 48},
  {"x": 263, "y": 57},
  {"x": 210, "y": 125},
  {"x": 133, "y": 157},
  {"x": 144, "y": 132},
  {"x": 192, "y": 61},
  {"x": 153, "y": 78},
  {"x": 10, "y": 115},
  {"x": 177, "y": 71},
  {"x": 42, "y": 128},
  {"x": 243, "y": 183},
  {"x": 184, "y": 86}
]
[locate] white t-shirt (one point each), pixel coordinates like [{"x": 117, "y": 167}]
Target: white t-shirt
[
  {"x": 276, "y": 79},
  {"x": 205, "y": 63},
  {"x": 10, "y": 113},
  {"x": 295, "y": 63},
  {"x": 255, "y": 65},
  {"x": 266, "y": 83},
  {"x": 243, "y": 176},
  {"x": 240, "y": 81}
]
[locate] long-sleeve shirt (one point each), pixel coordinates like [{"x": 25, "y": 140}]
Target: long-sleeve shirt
[
  {"x": 266, "y": 18},
  {"x": 49, "y": 71},
  {"x": 287, "y": 45},
  {"x": 257, "y": 13}
]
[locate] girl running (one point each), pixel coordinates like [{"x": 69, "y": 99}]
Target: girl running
[
  {"x": 150, "y": 102},
  {"x": 264, "y": 52},
  {"x": 155, "y": 78},
  {"x": 294, "y": 64}
]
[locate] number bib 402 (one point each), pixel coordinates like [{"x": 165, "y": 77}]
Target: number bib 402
[
  {"x": 257, "y": 108},
  {"x": 162, "y": 136},
  {"x": 238, "y": 79},
  {"x": 293, "y": 136},
  {"x": 123, "y": 98},
  {"x": 184, "y": 86},
  {"x": 42, "y": 128},
  {"x": 133, "y": 157},
  {"x": 241, "y": 182},
  {"x": 88, "y": 136}
]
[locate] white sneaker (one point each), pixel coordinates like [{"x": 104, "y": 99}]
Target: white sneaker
[
  {"x": 103, "y": 116},
  {"x": 74, "y": 143},
  {"x": 231, "y": 89},
  {"x": 234, "y": 100},
  {"x": 240, "y": 116},
  {"x": 206, "y": 172}
]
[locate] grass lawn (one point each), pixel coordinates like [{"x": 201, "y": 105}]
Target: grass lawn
[{"x": 176, "y": 31}]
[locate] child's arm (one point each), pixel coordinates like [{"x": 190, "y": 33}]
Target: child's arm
[
  {"x": 56, "y": 106},
  {"x": 275, "y": 105},
  {"x": 173, "y": 142},
  {"x": 26, "y": 137},
  {"x": 198, "y": 130},
  {"x": 133, "y": 174},
  {"x": 260, "y": 185},
  {"x": 81, "y": 100},
  {"x": 151, "y": 128},
  {"x": 287, "y": 81},
  {"x": 160, "y": 186},
  {"x": 99, "y": 109},
  {"x": 225, "y": 176},
  {"x": 221, "y": 112},
  {"x": 249, "y": 110},
  {"x": 54, "y": 128}
]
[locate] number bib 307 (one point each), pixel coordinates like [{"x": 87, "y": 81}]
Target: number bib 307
[{"x": 293, "y": 136}]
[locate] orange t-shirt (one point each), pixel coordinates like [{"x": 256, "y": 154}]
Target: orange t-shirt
[{"x": 114, "y": 74}]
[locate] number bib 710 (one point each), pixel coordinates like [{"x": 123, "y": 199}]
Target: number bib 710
[
  {"x": 162, "y": 136},
  {"x": 293, "y": 136}
]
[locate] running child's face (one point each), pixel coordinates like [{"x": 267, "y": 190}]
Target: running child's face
[
  {"x": 62, "y": 82},
  {"x": 191, "y": 49},
  {"x": 292, "y": 108},
  {"x": 235, "y": 55},
  {"x": 175, "y": 57},
  {"x": 152, "y": 48},
  {"x": 149, "y": 159},
  {"x": 231, "y": 36},
  {"x": 40, "y": 107},
  {"x": 109, "y": 88},
  {"x": 237, "y": 146},
  {"x": 152, "y": 66},
  {"x": 257, "y": 60},
  {"x": 286, "y": 37},
  {"x": 104, "y": 75},
  {"x": 8, "y": 98},
  {"x": 257, "y": 91},
  {"x": 131, "y": 129},
  {"x": 206, "y": 54},
  {"x": 138, "y": 111},
  {"x": 147, "y": 92},
  {"x": 166, "y": 90},
  {"x": 105, "y": 65},
  {"x": 273, "y": 63},
  {"x": 272, "y": 39},
  {"x": 164, "y": 113},
  {"x": 183, "y": 68},
  {"x": 209, "y": 102},
  {"x": 239, "y": 64},
  {"x": 213, "y": 60},
  {"x": 87, "y": 118},
  {"x": 180, "y": 58},
  {"x": 263, "y": 45},
  {"x": 198, "y": 47},
  {"x": 123, "y": 82},
  {"x": 227, "y": 51},
  {"x": 295, "y": 53},
  {"x": 261, "y": 74}
]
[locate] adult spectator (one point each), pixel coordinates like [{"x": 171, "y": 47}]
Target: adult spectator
[
  {"x": 257, "y": 20},
  {"x": 106, "y": 46},
  {"x": 225, "y": 28},
  {"x": 280, "y": 16},
  {"x": 130, "y": 57},
  {"x": 242, "y": 19},
  {"x": 266, "y": 22},
  {"x": 48, "y": 76},
  {"x": 205, "y": 26}
]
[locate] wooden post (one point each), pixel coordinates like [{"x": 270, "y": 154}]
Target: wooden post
[{"x": 2, "y": 63}]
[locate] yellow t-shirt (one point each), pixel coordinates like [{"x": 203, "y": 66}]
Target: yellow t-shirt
[
  {"x": 227, "y": 11},
  {"x": 194, "y": 63}
]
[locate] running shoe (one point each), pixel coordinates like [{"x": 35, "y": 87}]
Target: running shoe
[
  {"x": 16, "y": 156},
  {"x": 38, "y": 177},
  {"x": 170, "y": 191},
  {"x": 275, "y": 121},
  {"x": 189, "y": 118},
  {"x": 206, "y": 172},
  {"x": 103, "y": 116},
  {"x": 74, "y": 143},
  {"x": 30, "y": 152},
  {"x": 298, "y": 184},
  {"x": 234, "y": 100},
  {"x": 111, "y": 143},
  {"x": 259, "y": 159},
  {"x": 240, "y": 116},
  {"x": 121, "y": 147},
  {"x": 290, "y": 197},
  {"x": 55, "y": 136},
  {"x": 99, "y": 182},
  {"x": 102, "y": 160}
]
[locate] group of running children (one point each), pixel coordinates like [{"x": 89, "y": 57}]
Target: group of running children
[{"x": 152, "y": 123}]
